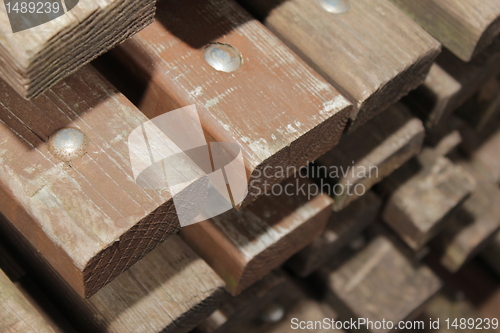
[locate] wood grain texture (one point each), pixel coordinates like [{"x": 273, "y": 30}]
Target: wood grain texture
[
  {"x": 373, "y": 54},
  {"x": 464, "y": 27},
  {"x": 233, "y": 311},
  {"x": 365, "y": 157},
  {"x": 87, "y": 217},
  {"x": 433, "y": 101},
  {"x": 33, "y": 60},
  {"x": 379, "y": 283},
  {"x": 430, "y": 181},
  {"x": 343, "y": 227},
  {"x": 243, "y": 246},
  {"x": 18, "y": 314},
  {"x": 475, "y": 223},
  {"x": 277, "y": 109}
]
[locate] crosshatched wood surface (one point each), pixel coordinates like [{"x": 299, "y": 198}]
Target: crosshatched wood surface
[
  {"x": 243, "y": 246},
  {"x": 372, "y": 53},
  {"x": 464, "y": 27},
  {"x": 280, "y": 112},
  {"x": 32, "y": 60},
  {"x": 87, "y": 217}
]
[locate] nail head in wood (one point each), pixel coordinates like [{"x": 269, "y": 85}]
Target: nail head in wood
[
  {"x": 67, "y": 144},
  {"x": 223, "y": 57}
]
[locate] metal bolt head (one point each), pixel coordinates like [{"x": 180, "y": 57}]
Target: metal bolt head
[
  {"x": 223, "y": 57},
  {"x": 335, "y": 6},
  {"x": 67, "y": 144},
  {"x": 273, "y": 313}
]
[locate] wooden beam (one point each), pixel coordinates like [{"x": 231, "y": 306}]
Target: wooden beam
[
  {"x": 34, "y": 56},
  {"x": 430, "y": 181},
  {"x": 365, "y": 157},
  {"x": 370, "y": 285},
  {"x": 372, "y": 53},
  {"x": 465, "y": 28},
  {"x": 87, "y": 217},
  {"x": 342, "y": 229},
  {"x": 474, "y": 225},
  {"x": 433, "y": 101},
  {"x": 278, "y": 110},
  {"x": 243, "y": 246}
]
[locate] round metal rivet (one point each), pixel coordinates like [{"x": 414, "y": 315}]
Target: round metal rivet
[
  {"x": 273, "y": 313},
  {"x": 67, "y": 144},
  {"x": 335, "y": 6},
  {"x": 223, "y": 57}
]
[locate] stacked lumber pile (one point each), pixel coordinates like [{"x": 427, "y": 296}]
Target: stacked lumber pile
[{"x": 368, "y": 133}]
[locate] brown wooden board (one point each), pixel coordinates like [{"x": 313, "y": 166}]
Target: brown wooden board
[
  {"x": 87, "y": 217},
  {"x": 34, "y": 58},
  {"x": 464, "y": 27},
  {"x": 243, "y": 246},
  {"x": 422, "y": 194},
  {"x": 365, "y": 157},
  {"x": 342, "y": 229},
  {"x": 379, "y": 283},
  {"x": 372, "y": 53},
  {"x": 475, "y": 223}
]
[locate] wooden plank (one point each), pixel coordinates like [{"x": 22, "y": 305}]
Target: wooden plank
[
  {"x": 33, "y": 58},
  {"x": 464, "y": 27},
  {"x": 379, "y": 283},
  {"x": 243, "y": 246},
  {"x": 365, "y": 157},
  {"x": 283, "y": 124},
  {"x": 233, "y": 311},
  {"x": 169, "y": 290},
  {"x": 18, "y": 314},
  {"x": 87, "y": 217},
  {"x": 372, "y": 53},
  {"x": 475, "y": 223},
  {"x": 433, "y": 100},
  {"x": 491, "y": 254},
  {"x": 291, "y": 309},
  {"x": 430, "y": 181},
  {"x": 342, "y": 229}
]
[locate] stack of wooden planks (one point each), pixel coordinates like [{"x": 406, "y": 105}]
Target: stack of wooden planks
[{"x": 368, "y": 133}]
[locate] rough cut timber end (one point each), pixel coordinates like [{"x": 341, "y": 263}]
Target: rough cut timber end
[
  {"x": 87, "y": 217},
  {"x": 276, "y": 108},
  {"x": 243, "y": 246},
  {"x": 373, "y": 53},
  {"x": 365, "y": 157},
  {"x": 430, "y": 181},
  {"x": 34, "y": 59},
  {"x": 370, "y": 283},
  {"x": 464, "y": 27}
]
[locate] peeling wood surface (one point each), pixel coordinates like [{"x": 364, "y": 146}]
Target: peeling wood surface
[
  {"x": 378, "y": 283},
  {"x": 243, "y": 246},
  {"x": 367, "y": 156},
  {"x": 430, "y": 181},
  {"x": 275, "y": 107},
  {"x": 373, "y": 53},
  {"x": 87, "y": 217},
  {"x": 343, "y": 227},
  {"x": 33, "y": 60},
  {"x": 464, "y": 27},
  {"x": 473, "y": 226}
]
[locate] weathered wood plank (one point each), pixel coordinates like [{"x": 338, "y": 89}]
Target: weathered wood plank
[
  {"x": 277, "y": 109},
  {"x": 365, "y": 157},
  {"x": 475, "y": 223},
  {"x": 372, "y": 53},
  {"x": 464, "y": 27},
  {"x": 379, "y": 283},
  {"x": 430, "y": 181},
  {"x": 243, "y": 246},
  {"x": 87, "y": 217},
  {"x": 342, "y": 228},
  {"x": 433, "y": 100},
  {"x": 34, "y": 58}
]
